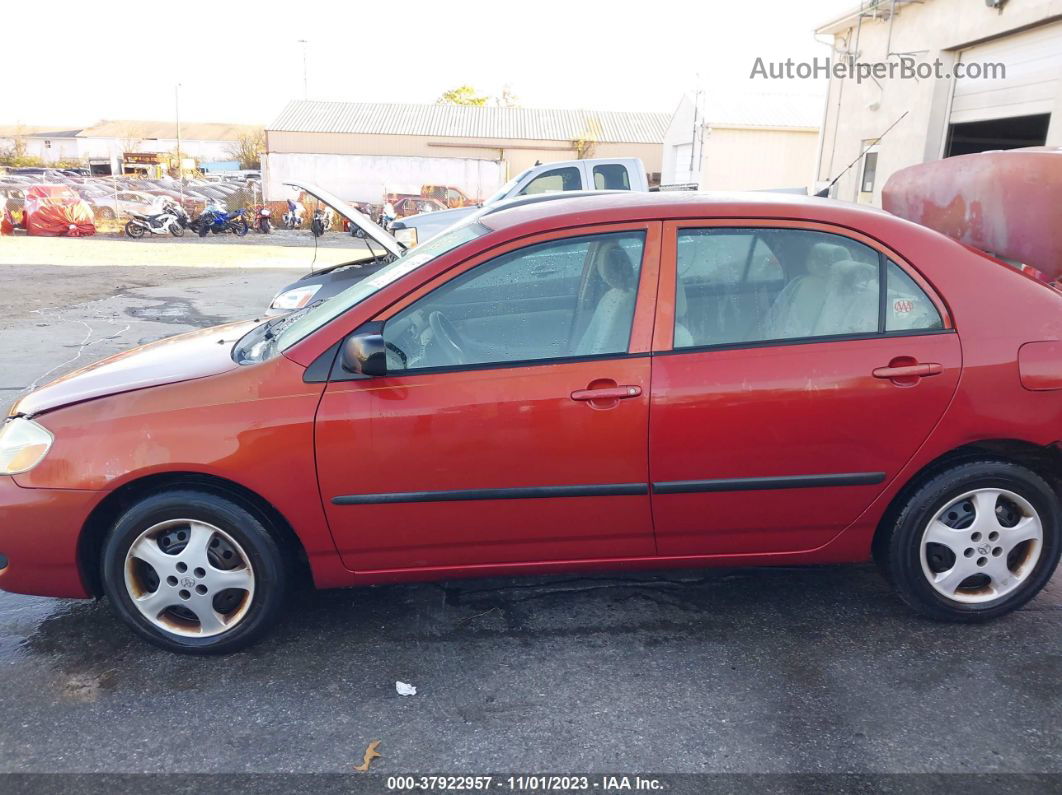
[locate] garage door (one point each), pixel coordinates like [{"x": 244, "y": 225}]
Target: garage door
[{"x": 1033, "y": 62}]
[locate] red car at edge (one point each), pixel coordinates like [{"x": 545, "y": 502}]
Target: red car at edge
[{"x": 576, "y": 383}]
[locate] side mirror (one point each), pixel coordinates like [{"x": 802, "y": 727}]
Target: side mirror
[{"x": 364, "y": 354}]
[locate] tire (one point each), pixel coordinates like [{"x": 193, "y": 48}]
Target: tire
[
  {"x": 240, "y": 228},
  {"x": 134, "y": 230},
  {"x": 265, "y": 227},
  {"x": 176, "y": 229},
  {"x": 232, "y": 617},
  {"x": 204, "y": 228},
  {"x": 970, "y": 508}
]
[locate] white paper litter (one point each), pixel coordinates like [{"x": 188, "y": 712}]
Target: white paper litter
[{"x": 404, "y": 689}]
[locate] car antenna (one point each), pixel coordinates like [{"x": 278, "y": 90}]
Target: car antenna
[{"x": 825, "y": 192}]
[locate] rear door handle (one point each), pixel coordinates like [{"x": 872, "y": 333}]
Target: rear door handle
[
  {"x": 608, "y": 393},
  {"x": 909, "y": 371}
]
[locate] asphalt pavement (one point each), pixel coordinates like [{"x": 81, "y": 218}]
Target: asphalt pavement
[{"x": 801, "y": 670}]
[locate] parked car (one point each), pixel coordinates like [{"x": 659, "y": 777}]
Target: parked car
[
  {"x": 627, "y": 173},
  {"x": 121, "y": 203},
  {"x": 827, "y": 383},
  {"x": 415, "y": 205}
]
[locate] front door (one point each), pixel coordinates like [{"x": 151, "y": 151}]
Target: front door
[
  {"x": 512, "y": 425},
  {"x": 801, "y": 368}
]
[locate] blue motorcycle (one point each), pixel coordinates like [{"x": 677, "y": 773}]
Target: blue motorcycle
[{"x": 215, "y": 219}]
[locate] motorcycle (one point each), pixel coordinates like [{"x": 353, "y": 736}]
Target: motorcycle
[
  {"x": 322, "y": 221},
  {"x": 173, "y": 219},
  {"x": 215, "y": 219},
  {"x": 293, "y": 217},
  {"x": 262, "y": 222}
]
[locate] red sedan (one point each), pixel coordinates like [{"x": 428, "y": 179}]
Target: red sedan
[{"x": 574, "y": 383}]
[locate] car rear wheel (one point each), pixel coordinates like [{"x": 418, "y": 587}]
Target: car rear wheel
[
  {"x": 974, "y": 542},
  {"x": 194, "y": 572}
]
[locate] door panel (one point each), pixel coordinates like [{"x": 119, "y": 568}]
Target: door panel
[
  {"x": 776, "y": 412},
  {"x": 498, "y": 436},
  {"x": 517, "y": 428}
]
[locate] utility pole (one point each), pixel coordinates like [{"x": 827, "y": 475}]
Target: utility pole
[
  {"x": 305, "y": 79},
  {"x": 180, "y": 161}
]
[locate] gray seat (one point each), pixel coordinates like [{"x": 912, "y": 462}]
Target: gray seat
[
  {"x": 797, "y": 310},
  {"x": 610, "y": 325}
]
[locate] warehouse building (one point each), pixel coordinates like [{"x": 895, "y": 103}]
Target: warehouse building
[
  {"x": 360, "y": 151},
  {"x": 742, "y": 142},
  {"x": 1006, "y": 92}
]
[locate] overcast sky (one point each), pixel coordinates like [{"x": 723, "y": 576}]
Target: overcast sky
[{"x": 241, "y": 62}]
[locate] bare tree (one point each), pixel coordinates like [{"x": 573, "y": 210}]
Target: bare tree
[{"x": 248, "y": 149}]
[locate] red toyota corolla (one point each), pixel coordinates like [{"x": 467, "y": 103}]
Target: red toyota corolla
[{"x": 571, "y": 384}]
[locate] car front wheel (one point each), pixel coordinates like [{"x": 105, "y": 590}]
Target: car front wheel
[
  {"x": 194, "y": 572},
  {"x": 975, "y": 542}
]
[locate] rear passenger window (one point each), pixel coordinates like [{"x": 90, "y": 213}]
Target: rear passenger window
[
  {"x": 611, "y": 176},
  {"x": 757, "y": 285},
  {"x": 907, "y": 307}
]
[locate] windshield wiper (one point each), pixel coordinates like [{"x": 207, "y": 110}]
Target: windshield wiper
[{"x": 276, "y": 326}]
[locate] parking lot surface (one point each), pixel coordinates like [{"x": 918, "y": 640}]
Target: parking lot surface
[{"x": 814, "y": 670}]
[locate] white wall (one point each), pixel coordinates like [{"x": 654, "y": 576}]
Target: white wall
[
  {"x": 366, "y": 178},
  {"x": 861, "y": 112}
]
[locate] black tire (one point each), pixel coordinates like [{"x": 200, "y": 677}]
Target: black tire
[
  {"x": 267, "y": 562},
  {"x": 204, "y": 228},
  {"x": 176, "y": 229},
  {"x": 134, "y": 230},
  {"x": 240, "y": 228},
  {"x": 899, "y": 550},
  {"x": 265, "y": 227}
]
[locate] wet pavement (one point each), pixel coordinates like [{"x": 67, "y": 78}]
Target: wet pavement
[{"x": 813, "y": 670}]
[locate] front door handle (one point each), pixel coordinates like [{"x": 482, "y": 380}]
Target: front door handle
[{"x": 607, "y": 393}]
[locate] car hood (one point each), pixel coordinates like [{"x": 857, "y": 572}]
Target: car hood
[
  {"x": 442, "y": 216},
  {"x": 196, "y": 354},
  {"x": 358, "y": 219}
]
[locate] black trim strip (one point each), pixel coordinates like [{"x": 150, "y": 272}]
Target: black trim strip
[
  {"x": 765, "y": 484},
  {"x": 535, "y": 492},
  {"x": 870, "y": 335}
]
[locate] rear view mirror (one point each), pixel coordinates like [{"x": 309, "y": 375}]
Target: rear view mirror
[{"x": 364, "y": 354}]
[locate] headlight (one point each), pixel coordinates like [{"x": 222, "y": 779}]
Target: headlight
[
  {"x": 407, "y": 237},
  {"x": 23, "y": 445},
  {"x": 295, "y": 299}
]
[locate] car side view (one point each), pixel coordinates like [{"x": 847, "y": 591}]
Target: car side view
[{"x": 578, "y": 384}]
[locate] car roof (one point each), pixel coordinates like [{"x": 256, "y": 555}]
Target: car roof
[{"x": 611, "y": 206}]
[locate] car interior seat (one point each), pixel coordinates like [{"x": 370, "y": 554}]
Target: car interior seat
[
  {"x": 609, "y": 328},
  {"x": 797, "y": 310}
]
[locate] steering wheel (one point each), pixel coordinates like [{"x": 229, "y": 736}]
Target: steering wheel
[{"x": 446, "y": 337}]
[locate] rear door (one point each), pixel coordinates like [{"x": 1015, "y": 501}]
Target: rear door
[{"x": 788, "y": 387}]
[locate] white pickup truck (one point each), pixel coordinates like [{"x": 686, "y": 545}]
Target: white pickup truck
[{"x": 622, "y": 173}]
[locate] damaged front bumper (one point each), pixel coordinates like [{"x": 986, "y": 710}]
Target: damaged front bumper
[{"x": 39, "y": 531}]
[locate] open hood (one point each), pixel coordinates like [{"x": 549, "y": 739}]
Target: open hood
[{"x": 371, "y": 229}]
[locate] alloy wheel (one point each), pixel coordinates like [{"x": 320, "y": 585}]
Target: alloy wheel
[
  {"x": 981, "y": 546},
  {"x": 189, "y": 578}
]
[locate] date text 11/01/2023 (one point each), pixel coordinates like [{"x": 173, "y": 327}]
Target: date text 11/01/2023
[{"x": 525, "y": 783}]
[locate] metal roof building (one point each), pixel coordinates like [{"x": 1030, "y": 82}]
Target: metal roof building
[
  {"x": 355, "y": 146},
  {"x": 468, "y": 121}
]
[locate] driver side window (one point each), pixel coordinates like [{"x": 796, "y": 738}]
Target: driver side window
[{"x": 564, "y": 298}]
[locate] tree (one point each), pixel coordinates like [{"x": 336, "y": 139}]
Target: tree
[
  {"x": 248, "y": 149},
  {"x": 462, "y": 95},
  {"x": 586, "y": 143}
]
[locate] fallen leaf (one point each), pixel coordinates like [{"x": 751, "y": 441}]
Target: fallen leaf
[{"x": 370, "y": 754}]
